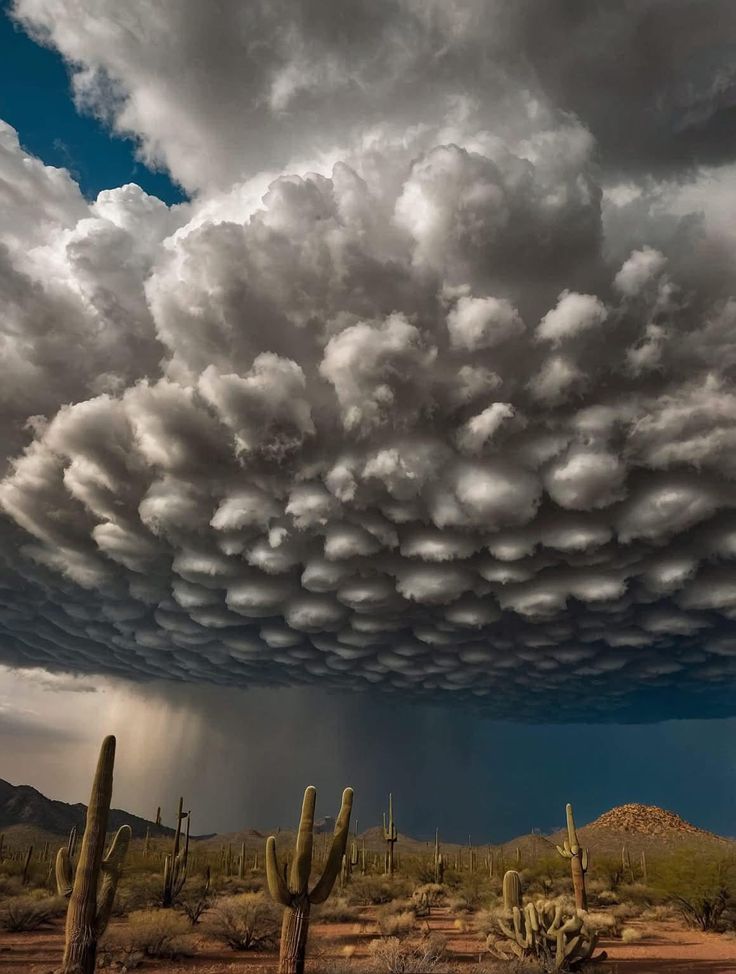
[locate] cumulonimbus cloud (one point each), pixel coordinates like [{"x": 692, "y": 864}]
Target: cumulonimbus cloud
[{"x": 450, "y": 418}]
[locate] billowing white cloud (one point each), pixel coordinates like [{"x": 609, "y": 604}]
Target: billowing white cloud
[{"x": 303, "y": 429}]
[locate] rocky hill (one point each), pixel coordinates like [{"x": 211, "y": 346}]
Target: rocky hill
[
  {"x": 641, "y": 828},
  {"x": 645, "y": 820},
  {"x": 23, "y": 807}
]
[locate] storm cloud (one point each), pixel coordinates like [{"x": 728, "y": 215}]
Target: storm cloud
[{"x": 442, "y": 409}]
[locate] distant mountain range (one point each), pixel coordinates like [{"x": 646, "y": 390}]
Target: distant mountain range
[
  {"x": 21, "y": 805},
  {"x": 23, "y": 809}
]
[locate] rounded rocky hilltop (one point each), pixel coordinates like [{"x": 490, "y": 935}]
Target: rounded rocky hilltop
[{"x": 645, "y": 820}]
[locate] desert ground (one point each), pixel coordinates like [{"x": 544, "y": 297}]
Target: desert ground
[{"x": 669, "y": 947}]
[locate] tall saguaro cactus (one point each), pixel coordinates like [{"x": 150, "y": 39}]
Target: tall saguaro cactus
[
  {"x": 96, "y": 878},
  {"x": 175, "y": 863},
  {"x": 578, "y": 860},
  {"x": 390, "y": 835},
  {"x": 295, "y": 894}
]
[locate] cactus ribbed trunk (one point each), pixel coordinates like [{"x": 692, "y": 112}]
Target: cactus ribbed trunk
[
  {"x": 578, "y": 883},
  {"x": 80, "y": 950},
  {"x": 294, "y": 932}
]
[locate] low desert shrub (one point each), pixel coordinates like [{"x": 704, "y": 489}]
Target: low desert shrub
[
  {"x": 458, "y": 904},
  {"x": 374, "y": 890},
  {"x": 152, "y": 933},
  {"x": 485, "y": 922},
  {"x": 139, "y": 892},
  {"x": 249, "y": 921},
  {"x": 631, "y": 935},
  {"x": 19, "y": 914},
  {"x": 660, "y": 912},
  {"x": 397, "y": 924},
  {"x": 602, "y": 924},
  {"x": 194, "y": 901},
  {"x": 393, "y": 956},
  {"x": 335, "y": 910}
]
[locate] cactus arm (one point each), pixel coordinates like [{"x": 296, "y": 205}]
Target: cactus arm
[
  {"x": 64, "y": 873},
  {"x": 277, "y": 886},
  {"x": 337, "y": 850},
  {"x": 111, "y": 870},
  {"x": 584, "y": 859},
  {"x": 302, "y": 865},
  {"x": 572, "y": 834}
]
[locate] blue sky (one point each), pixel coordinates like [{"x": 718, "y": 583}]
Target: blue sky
[{"x": 36, "y": 99}]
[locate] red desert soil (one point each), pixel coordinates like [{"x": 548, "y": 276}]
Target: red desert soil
[{"x": 671, "y": 950}]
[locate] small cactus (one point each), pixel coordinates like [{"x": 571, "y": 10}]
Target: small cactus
[
  {"x": 578, "y": 860},
  {"x": 511, "y": 890},
  {"x": 96, "y": 878},
  {"x": 294, "y": 894}
]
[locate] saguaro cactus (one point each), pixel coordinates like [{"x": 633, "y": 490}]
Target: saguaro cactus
[
  {"x": 439, "y": 864},
  {"x": 390, "y": 835},
  {"x": 175, "y": 864},
  {"x": 578, "y": 860},
  {"x": 295, "y": 894},
  {"x": 96, "y": 878}
]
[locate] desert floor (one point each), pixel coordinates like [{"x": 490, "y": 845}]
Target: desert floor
[{"x": 673, "y": 950}]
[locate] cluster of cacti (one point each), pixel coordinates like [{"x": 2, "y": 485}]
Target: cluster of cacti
[
  {"x": 175, "y": 863},
  {"x": 390, "y": 836},
  {"x": 578, "y": 860},
  {"x": 96, "y": 877},
  {"x": 544, "y": 932},
  {"x": 294, "y": 894}
]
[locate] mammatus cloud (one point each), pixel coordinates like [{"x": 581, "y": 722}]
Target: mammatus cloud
[{"x": 451, "y": 417}]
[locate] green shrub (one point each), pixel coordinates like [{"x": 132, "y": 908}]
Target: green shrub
[{"x": 701, "y": 888}]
